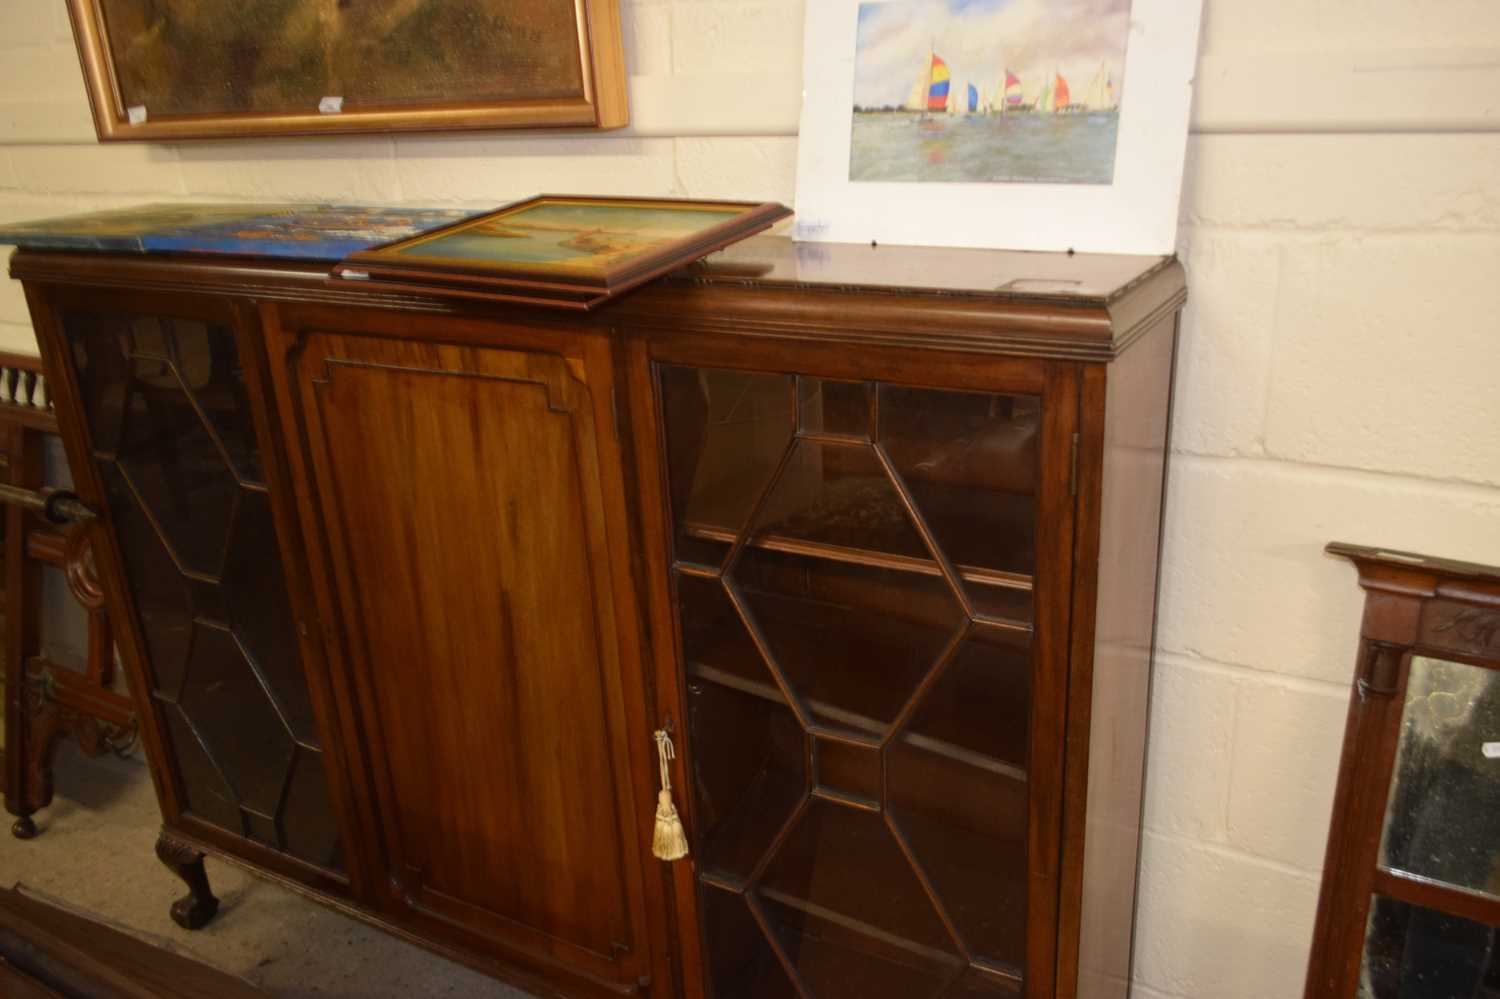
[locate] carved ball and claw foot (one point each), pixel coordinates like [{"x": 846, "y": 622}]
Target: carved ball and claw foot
[
  {"x": 23, "y": 828},
  {"x": 198, "y": 906}
]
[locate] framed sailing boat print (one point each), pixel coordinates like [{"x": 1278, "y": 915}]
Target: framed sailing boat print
[
  {"x": 1025, "y": 124},
  {"x": 164, "y": 70},
  {"x": 562, "y": 251}
]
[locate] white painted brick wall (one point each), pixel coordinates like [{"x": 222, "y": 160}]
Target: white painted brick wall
[{"x": 1335, "y": 377}]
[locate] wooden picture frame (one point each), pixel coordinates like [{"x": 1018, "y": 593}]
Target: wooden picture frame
[
  {"x": 597, "y": 100},
  {"x": 605, "y": 261}
]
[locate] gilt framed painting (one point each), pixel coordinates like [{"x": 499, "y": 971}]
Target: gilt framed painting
[
  {"x": 164, "y": 70},
  {"x": 564, "y": 251},
  {"x": 1022, "y": 124}
]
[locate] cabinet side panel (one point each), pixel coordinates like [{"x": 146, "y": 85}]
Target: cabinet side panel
[{"x": 1136, "y": 422}]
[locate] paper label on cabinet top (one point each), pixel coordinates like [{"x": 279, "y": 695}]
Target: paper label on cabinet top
[
  {"x": 331, "y": 105},
  {"x": 136, "y": 113},
  {"x": 1492, "y": 750}
]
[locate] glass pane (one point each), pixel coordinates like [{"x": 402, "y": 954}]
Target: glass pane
[
  {"x": 980, "y": 707},
  {"x": 741, "y": 964},
  {"x": 208, "y": 794},
  {"x": 751, "y": 783},
  {"x": 852, "y": 643},
  {"x": 726, "y": 431},
  {"x": 235, "y": 719},
  {"x": 837, "y": 499},
  {"x": 834, "y": 956},
  {"x": 309, "y": 828},
  {"x": 902, "y": 841},
  {"x": 852, "y": 631},
  {"x": 172, "y": 437},
  {"x": 843, "y": 866},
  {"x": 163, "y": 596},
  {"x": 980, "y": 985},
  {"x": 260, "y": 615},
  {"x": 957, "y": 790},
  {"x": 829, "y": 407},
  {"x": 209, "y": 367},
  {"x": 170, "y": 461},
  {"x": 970, "y": 461},
  {"x": 850, "y": 771},
  {"x": 1416, "y": 953},
  {"x": 715, "y": 644},
  {"x": 1443, "y": 816}
]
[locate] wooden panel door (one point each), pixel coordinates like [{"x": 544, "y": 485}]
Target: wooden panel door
[{"x": 461, "y": 494}]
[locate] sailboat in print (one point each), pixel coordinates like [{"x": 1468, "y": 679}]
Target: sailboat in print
[
  {"x": 930, "y": 94},
  {"x": 1062, "y": 100},
  {"x": 1100, "y": 95},
  {"x": 1011, "y": 98}
]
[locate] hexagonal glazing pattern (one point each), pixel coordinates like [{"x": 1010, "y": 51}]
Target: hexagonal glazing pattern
[
  {"x": 827, "y": 612},
  {"x": 174, "y": 442},
  {"x": 851, "y": 656}
]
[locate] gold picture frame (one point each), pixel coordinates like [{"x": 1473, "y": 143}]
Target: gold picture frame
[
  {"x": 577, "y": 73},
  {"x": 557, "y": 250}
]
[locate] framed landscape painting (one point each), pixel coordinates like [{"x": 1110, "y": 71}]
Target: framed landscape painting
[
  {"x": 1023, "y": 124},
  {"x": 560, "y": 250},
  {"x": 184, "y": 69}
]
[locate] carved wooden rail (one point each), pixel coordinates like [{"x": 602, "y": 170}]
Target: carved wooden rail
[
  {"x": 46, "y": 700},
  {"x": 23, "y": 392}
]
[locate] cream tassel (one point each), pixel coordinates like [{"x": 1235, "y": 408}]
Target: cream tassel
[{"x": 670, "y": 841}]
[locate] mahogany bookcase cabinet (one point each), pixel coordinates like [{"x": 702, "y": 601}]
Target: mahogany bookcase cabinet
[{"x": 405, "y": 586}]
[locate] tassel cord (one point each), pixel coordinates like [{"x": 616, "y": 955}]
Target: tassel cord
[{"x": 669, "y": 840}]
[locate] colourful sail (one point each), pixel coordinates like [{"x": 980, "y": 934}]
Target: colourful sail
[
  {"x": 973, "y": 98},
  {"x": 917, "y": 100},
  {"x": 1012, "y": 90},
  {"x": 1060, "y": 98},
  {"x": 937, "y": 87}
]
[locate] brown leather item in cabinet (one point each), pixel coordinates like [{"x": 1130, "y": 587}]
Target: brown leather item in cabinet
[{"x": 880, "y": 556}]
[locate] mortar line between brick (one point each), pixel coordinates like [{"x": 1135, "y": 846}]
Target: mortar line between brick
[
  {"x": 1321, "y": 232},
  {"x": 1227, "y": 852},
  {"x": 1178, "y": 659},
  {"x": 1481, "y": 490},
  {"x": 1138, "y": 987}
]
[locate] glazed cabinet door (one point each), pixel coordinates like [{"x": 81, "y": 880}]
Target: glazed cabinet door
[
  {"x": 467, "y": 502},
  {"x": 870, "y": 587},
  {"x": 167, "y": 435}
]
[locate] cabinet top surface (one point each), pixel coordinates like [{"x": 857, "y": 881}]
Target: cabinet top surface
[
  {"x": 1072, "y": 306},
  {"x": 329, "y": 232},
  {"x": 1094, "y": 278}
]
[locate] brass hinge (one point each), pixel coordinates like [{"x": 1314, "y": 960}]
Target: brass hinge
[{"x": 1073, "y": 469}]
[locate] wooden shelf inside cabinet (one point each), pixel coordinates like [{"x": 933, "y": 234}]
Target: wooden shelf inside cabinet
[
  {"x": 863, "y": 723},
  {"x": 1021, "y": 583}
]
